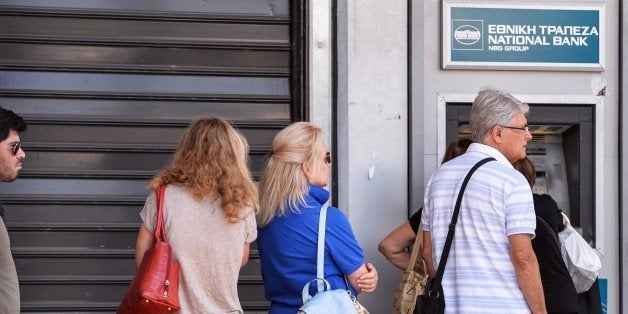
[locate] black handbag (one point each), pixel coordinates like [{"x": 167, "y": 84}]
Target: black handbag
[{"x": 433, "y": 301}]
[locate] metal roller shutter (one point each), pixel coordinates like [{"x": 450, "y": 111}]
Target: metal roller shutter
[{"x": 107, "y": 88}]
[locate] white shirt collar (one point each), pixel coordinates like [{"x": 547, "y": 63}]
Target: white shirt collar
[{"x": 488, "y": 150}]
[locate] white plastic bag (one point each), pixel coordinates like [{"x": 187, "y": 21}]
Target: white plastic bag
[{"x": 582, "y": 261}]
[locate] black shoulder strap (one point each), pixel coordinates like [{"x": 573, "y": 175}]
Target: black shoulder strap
[
  {"x": 549, "y": 229},
  {"x": 452, "y": 225}
]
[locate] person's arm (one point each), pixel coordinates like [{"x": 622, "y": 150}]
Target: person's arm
[
  {"x": 144, "y": 242},
  {"x": 427, "y": 253},
  {"x": 394, "y": 245},
  {"x": 347, "y": 254},
  {"x": 245, "y": 256},
  {"x": 364, "y": 279},
  {"x": 527, "y": 271}
]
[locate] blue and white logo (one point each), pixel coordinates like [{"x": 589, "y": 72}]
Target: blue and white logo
[{"x": 466, "y": 34}]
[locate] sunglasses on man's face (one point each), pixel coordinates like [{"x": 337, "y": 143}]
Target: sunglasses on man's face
[
  {"x": 328, "y": 158},
  {"x": 15, "y": 147}
]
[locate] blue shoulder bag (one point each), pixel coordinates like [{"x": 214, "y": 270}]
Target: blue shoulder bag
[{"x": 325, "y": 301}]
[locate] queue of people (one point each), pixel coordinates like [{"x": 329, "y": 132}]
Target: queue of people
[
  {"x": 501, "y": 260},
  {"x": 505, "y": 257},
  {"x": 209, "y": 189}
]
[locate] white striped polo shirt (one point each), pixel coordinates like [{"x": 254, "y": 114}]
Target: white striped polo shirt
[{"x": 479, "y": 275}]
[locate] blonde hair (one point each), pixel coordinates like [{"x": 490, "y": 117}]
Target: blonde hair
[
  {"x": 283, "y": 183},
  {"x": 211, "y": 161}
]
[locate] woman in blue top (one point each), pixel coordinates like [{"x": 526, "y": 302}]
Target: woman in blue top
[{"x": 291, "y": 196}]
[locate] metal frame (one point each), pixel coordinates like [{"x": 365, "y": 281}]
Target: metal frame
[
  {"x": 298, "y": 62},
  {"x": 623, "y": 151}
]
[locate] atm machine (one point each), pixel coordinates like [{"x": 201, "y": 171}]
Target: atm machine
[
  {"x": 562, "y": 150},
  {"x": 548, "y": 156}
]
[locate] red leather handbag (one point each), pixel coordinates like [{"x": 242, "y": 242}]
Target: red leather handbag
[{"x": 155, "y": 287}]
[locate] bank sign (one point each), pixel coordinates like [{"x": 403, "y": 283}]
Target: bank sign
[{"x": 523, "y": 37}]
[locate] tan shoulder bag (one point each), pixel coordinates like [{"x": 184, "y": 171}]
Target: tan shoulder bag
[{"x": 413, "y": 280}]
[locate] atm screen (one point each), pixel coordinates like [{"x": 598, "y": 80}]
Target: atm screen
[{"x": 540, "y": 184}]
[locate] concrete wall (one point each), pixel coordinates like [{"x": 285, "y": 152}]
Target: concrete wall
[
  {"x": 320, "y": 70},
  {"x": 372, "y": 129}
]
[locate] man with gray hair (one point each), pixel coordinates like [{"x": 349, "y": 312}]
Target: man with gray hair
[
  {"x": 491, "y": 267},
  {"x": 11, "y": 156}
]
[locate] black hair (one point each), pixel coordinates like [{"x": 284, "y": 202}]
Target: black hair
[{"x": 10, "y": 121}]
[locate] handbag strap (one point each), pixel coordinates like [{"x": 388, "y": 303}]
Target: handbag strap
[
  {"x": 452, "y": 225},
  {"x": 548, "y": 229},
  {"x": 320, "y": 253},
  {"x": 418, "y": 242},
  {"x": 160, "y": 230}
]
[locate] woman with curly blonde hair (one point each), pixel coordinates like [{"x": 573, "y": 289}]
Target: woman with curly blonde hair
[
  {"x": 291, "y": 196},
  {"x": 209, "y": 215}
]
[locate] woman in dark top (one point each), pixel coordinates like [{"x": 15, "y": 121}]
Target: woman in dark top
[{"x": 560, "y": 293}]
